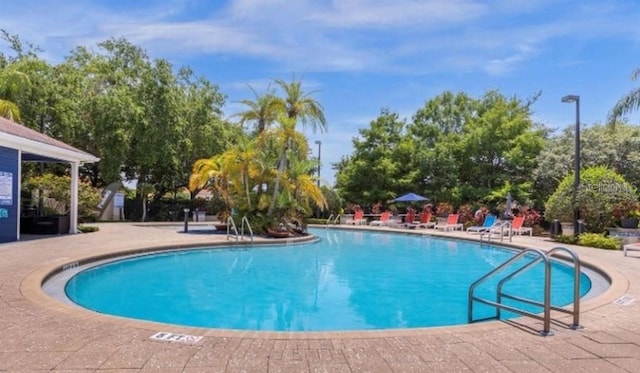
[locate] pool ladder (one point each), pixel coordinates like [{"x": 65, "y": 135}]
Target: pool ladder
[
  {"x": 231, "y": 227},
  {"x": 536, "y": 256},
  {"x": 333, "y": 219},
  {"x": 505, "y": 226}
]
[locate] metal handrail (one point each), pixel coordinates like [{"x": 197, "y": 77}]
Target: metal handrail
[
  {"x": 546, "y": 318},
  {"x": 546, "y": 304},
  {"x": 576, "y": 284},
  {"x": 336, "y": 219},
  {"x": 231, "y": 224},
  {"x": 246, "y": 221},
  {"x": 488, "y": 233},
  {"x": 329, "y": 219}
]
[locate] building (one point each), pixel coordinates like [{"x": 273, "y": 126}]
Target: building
[{"x": 20, "y": 144}]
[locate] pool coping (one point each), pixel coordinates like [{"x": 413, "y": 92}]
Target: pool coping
[{"x": 32, "y": 288}]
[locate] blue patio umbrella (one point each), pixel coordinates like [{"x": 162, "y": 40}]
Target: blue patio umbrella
[{"x": 410, "y": 197}]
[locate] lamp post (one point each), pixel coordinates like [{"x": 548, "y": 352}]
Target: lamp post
[
  {"x": 319, "y": 149},
  {"x": 576, "y": 180}
]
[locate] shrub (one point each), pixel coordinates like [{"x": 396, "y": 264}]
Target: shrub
[
  {"x": 57, "y": 193},
  {"x": 87, "y": 228},
  {"x": 465, "y": 214},
  {"x": 570, "y": 240},
  {"x": 601, "y": 189},
  {"x": 599, "y": 240},
  {"x": 444, "y": 209}
]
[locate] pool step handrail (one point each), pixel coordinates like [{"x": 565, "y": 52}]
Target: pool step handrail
[
  {"x": 489, "y": 234},
  {"x": 329, "y": 219},
  {"x": 536, "y": 257},
  {"x": 232, "y": 225},
  {"x": 245, "y": 221},
  {"x": 333, "y": 219}
]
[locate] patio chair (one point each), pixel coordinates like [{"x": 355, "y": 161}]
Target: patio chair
[
  {"x": 384, "y": 219},
  {"x": 631, "y": 247},
  {"x": 409, "y": 220},
  {"x": 358, "y": 218},
  {"x": 488, "y": 223},
  {"x": 451, "y": 224},
  {"x": 425, "y": 221},
  {"x": 517, "y": 228}
]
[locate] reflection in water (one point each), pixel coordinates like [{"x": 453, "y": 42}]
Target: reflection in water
[{"x": 349, "y": 280}]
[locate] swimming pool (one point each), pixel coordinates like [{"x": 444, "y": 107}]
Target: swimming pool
[{"x": 349, "y": 280}]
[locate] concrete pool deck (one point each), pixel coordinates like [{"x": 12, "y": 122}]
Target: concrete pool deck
[{"x": 38, "y": 332}]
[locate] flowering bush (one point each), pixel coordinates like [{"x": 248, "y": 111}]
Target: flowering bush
[
  {"x": 625, "y": 209},
  {"x": 465, "y": 214},
  {"x": 444, "y": 209},
  {"x": 531, "y": 217}
]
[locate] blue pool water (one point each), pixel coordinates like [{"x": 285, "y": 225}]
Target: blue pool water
[{"x": 349, "y": 280}]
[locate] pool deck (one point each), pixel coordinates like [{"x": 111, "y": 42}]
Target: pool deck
[{"x": 40, "y": 333}]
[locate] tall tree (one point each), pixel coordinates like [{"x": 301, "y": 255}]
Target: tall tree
[
  {"x": 12, "y": 84},
  {"x": 628, "y": 103},
  {"x": 296, "y": 106},
  {"x": 300, "y": 106},
  {"x": 263, "y": 111},
  {"x": 379, "y": 168},
  {"x": 617, "y": 150}
]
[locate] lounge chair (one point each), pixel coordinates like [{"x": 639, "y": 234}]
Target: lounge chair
[
  {"x": 384, "y": 219},
  {"x": 409, "y": 220},
  {"x": 451, "y": 224},
  {"x": 489, "y": 222},
  {"x": 425, "y": 221},
  {"x": 630, "y": 247},
  {"x": 358, "y": 218},
  {"x": 517, "y": 228}
]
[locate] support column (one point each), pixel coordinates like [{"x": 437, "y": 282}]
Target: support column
[{"x": 73, "y": 209}]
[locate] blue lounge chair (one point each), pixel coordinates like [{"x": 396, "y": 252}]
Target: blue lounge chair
[{"x": 489, "y": 222}]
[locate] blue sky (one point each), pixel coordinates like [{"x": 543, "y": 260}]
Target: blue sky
[{"x": 362, "y": 55}]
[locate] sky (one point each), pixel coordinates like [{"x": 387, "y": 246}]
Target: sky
[{"x": 360, "y": 56}]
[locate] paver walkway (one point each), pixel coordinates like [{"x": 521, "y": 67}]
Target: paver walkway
[{"x": 40, "y": 333}]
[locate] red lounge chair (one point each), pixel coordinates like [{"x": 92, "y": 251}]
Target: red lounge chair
[{"x": 451, "y": 224}]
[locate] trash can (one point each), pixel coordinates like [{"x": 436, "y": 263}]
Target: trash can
[
  {"x": 555, "y": 229},
  {"x": 581, "y": 227}
]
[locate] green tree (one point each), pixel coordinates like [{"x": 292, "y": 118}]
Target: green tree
[
  {"x": 380, "y": 166},
  {"x": 296, "y": 106},
  {"x": 467, "y": 150},
  {"x": 299, "y": 105},
  {"x": 618, "y": 150},
  {"x": 628, "y": 103},
  {"x": 601, "y": 192},
  {"x": 12, "y": 84},
  {"x": 263, "y": 111}
]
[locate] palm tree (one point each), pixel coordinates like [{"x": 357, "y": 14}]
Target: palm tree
[
  {"x": 263, "y": 111},
  {"x": 12, "y": 83},
  {"x": 301, "y": 106},
  {"x": 296, "y": 106},
  {"x": 236, "y": 172},
  {"x": 630, "y": 102}
]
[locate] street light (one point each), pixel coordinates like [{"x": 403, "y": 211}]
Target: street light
[
  {"x": 319, "y": 149},
  {"x": 576, "y": 180}
]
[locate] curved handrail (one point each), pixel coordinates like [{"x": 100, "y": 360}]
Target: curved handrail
[
  {"x": 547, "y": 287},
  {"x": 246, "y": 221},
  {"x": 329, "y": 219},
  {"x": 336, "y": 219},
  {"x": 546, "y": 303},
  {"x": 576, "y": 283},
  {"x": 231, "y": 224},
  {"x": 547, "y": 297}
]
